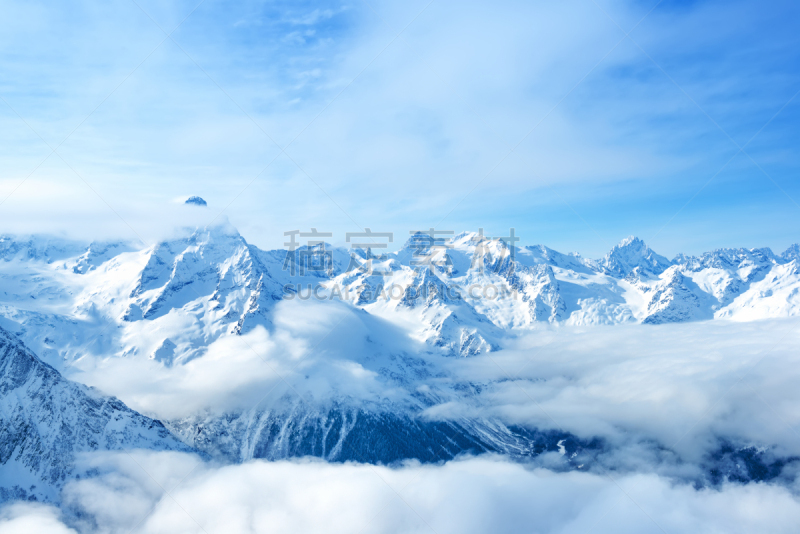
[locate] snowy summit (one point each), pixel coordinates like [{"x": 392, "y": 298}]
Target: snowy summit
[{"x": 197, "y": 201}]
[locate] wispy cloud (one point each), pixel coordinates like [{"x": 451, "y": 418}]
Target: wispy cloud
[{"x": 611, "y": 135}]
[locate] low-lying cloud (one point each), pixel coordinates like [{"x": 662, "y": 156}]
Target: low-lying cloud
[
  {"x": 478, "y": 495},
  {"x": 683, "y": 386},
  {"x": 314, "y": 351},
  {"x": 660, "y": 397}
]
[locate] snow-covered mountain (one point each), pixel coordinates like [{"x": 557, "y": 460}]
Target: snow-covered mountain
[
  {"x": 79, "y": 305},
  {"x": 632, "y": 255},
  {"x": 371, "y": 434},
  {"x": 460, "y": 295},
  {"x": 45, "y": 420}
]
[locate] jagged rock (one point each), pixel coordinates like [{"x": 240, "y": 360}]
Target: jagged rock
[
  {"x": 632, "y": 253},
  {"x": 676, "y": 299},
  {"x": 197, "y": 201},
  {"x": 341, "y": 433},
  {"x": 45, "y": 420},
  {"x": 459, "y": 299}
]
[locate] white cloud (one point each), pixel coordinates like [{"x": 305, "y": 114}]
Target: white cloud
[
  {"x": 478, "y": 495},
  {"x": 25, "y": 518},
  {"x": 681, "y": 385},
  {"x": 319, "y": 350},
  {"x": 685, "y": 387},
  {"x": 423, "y": 123}
]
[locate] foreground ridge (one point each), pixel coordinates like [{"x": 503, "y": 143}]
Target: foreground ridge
[{"x": 46, "y": 420}]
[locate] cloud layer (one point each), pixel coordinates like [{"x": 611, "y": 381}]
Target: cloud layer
[
  {"x": 472, "y": 495},
  {"x": 662, "y": 398},
  {"x": 316, "y": 350},
  {"x": 684, "y": 386}
]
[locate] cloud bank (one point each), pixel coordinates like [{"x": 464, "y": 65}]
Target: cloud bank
[
  {"x": 684, "y": 386},
  {"x": 477, "y": 495},
  {"x": 317, "y": 351},
  {"x": 661, "y": 398}
]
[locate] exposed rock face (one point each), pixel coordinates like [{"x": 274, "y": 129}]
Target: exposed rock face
[
  {"x": 45, "y": 420},
  {"x": 342, "y": 433},
  {"x": 633, "y": 254},
  {"x": 791, "y": 253},
  {"x": 675, "y": 298},
  {"x": 196, "y": 201},
  {"x": 183, "y": 294}
]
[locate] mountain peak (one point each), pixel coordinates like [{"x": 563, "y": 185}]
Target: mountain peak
[
  {"x": 425, "y": 240},
  {"x": 631, "y": 241},
  {"x": 197, "y": 201},
  {"x": 632, "y": 254},
  {"x": 791, "y": 253}
]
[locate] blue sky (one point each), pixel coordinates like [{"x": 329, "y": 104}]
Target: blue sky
[{"x": 542, "y": 116}]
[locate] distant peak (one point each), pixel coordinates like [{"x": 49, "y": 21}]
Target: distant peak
[
  {"x": 468, "y": 236},
  {"x": 791, "y": 253},
  {"x": 632, "y": 254},
  {"x": 630, "y": 240},
  {"x": 426, "y": 239},
  {"x": 197, "y": 201}
]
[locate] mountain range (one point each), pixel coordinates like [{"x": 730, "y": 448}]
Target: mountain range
[
  {"x": 66, "y": 298},
  {"x": 63, "y": 302}
]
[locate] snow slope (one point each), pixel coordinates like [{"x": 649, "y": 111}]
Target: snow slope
[
  {"x": 45, "y": 420},
  {"x": 90, "y": 306},
  {"x": 461, "y": 295}
]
